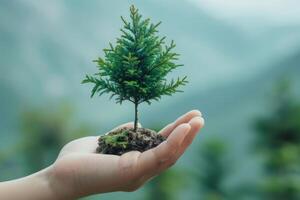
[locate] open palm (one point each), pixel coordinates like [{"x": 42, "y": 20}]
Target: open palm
[{"x": 79, "y": 171}]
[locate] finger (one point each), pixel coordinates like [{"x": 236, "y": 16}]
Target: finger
[
  {"x": 182, "y": 119},
  {"x": 154, "y": 160},
  {"x": 126, "y": 125},
  {"x": 196, "y": 124}
]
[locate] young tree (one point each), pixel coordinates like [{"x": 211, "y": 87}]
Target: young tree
[{"x": 135, "y": 68}]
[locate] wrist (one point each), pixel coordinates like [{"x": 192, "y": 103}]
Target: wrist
[
  {"x": 35, "y": 187},
  {"x": 42, "y": 182},
  {"x": 44, "y": 178},
  {"x": 57, "y": 184}
]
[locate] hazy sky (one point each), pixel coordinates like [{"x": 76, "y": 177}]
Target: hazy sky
[{"x": 47, "y": 46}]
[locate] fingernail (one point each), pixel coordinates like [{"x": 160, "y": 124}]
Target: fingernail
[
  {"x": 203, "y": 121},
  {"x": 197, "y": 112}
]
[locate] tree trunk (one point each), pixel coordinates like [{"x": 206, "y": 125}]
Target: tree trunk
[{"x": 135, "y": 116}]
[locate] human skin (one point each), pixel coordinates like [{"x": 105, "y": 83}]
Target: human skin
[{"x": 79, "y": 171}]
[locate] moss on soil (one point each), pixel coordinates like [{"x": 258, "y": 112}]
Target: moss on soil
[{"x": 124, "y": 140}]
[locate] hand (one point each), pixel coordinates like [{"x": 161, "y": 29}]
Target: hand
[{"x": 79, "y": 171}]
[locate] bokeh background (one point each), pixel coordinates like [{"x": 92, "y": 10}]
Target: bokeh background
[{"x": 242, "y": 59}]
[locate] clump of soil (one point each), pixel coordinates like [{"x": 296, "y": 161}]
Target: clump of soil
[{"x": 125, "y": 139}]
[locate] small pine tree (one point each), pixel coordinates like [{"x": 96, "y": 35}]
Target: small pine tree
[{"x": 135, "y": 68}]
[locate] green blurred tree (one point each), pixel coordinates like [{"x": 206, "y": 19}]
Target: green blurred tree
[
  {"x": 43, "y": 134},
  {"x": 278, "y": 140},
  {"x": 213, "y": 169},
  {"x": 135, "y": 69},
  {"x": 165, "y": 186}
]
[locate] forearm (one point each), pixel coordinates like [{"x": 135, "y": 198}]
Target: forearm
[{"x": 34, "y": 187}]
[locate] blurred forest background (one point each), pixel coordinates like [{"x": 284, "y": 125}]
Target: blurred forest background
[{"x": 242, "y": 59}]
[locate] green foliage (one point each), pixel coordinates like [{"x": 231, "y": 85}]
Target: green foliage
[
  {"x": 42, "y": 136},
  {"x": 135, "y": 68},
  {"x": 166, "y": 186},
  {"x": 213, "y": 169},
  {"x": 279, "y": 142},
  {"x": 43, "y": 132},
  {"x": 118, "y": 140}
]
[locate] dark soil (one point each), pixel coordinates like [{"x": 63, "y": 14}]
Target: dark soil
[{"x": 124, "y": 140}]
